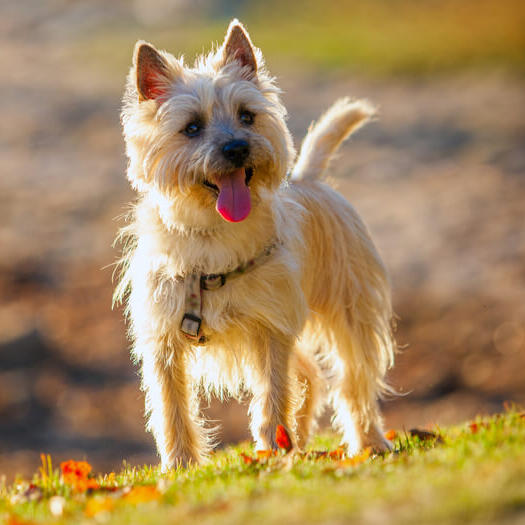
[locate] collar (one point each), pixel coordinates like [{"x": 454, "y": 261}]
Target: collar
[{"x": 195, "y": 283}]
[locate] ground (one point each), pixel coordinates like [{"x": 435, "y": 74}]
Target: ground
[
  {"x": 471, "y": 473},
  {"x": 438, "y": 177}
]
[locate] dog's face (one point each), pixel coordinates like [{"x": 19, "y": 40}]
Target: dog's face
[{"x": 209, "y": 138}]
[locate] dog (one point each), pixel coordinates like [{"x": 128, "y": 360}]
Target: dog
[{"x": 242, "y": 271}]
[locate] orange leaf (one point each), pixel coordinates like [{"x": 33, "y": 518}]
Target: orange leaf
[
  {"x": 282, "y": 438},
  {"x": 390, "y": 435},
  {"x": 79, "y": 469},
  {"x": 265, "y": 454},
  {"x": 338, "y": 453},
  {"x": 248, "y": 460},
  {"x": 95, "y": 506},
  {"x": 475, "y": 427},
  {"x": 355, "y": 460},
  {"x": 83, "y": 484},
  {"x": 314, "y": 454},
  {"x": 142, "y": 494},
  {"x": 75, "y": 473},
  {"x": 14, "y": 520}
]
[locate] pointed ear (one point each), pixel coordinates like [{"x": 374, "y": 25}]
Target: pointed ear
[
  {"x": 152, "y": 72},
  {"x": 238, "y": 46}
]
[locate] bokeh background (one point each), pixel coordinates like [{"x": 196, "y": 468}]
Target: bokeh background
[{"x": 439, "y": 178}]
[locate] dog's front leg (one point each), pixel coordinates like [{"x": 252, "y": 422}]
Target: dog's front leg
[
  {"x": 172, "y": 406},
  {"x": 272, "y": 403}
]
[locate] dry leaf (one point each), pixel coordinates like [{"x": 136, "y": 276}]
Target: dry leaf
[
  {"x": 282, "y": 438},
  {"x": 315, "y": 454},
  {"x": 338, "y": 453},
  {"x": 265, "y": 454},
  {"x": 355, "y": 460},
  {"x": 142, "y": 494},
  {"x": 390, "y": 435},
  {"x": 425, "y": 435},
  {"x": 95, "y": 506},
  {"x": 76, "y": 474},
  {"x": 248, "y": 460},
  {"x": 15, "y": 520}
]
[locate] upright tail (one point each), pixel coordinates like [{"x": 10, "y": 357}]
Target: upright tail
[{"x": 326, "y": 135}]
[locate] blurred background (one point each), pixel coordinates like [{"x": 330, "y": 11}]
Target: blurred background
[{"x": 439, "y": 179}]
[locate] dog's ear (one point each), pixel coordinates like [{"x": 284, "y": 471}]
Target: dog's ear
[
  {"x": 152, "y": 72},
  {"x": 238, "y": 46}
]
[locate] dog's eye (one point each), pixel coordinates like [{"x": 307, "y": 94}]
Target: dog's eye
[
  {"x": 192, "y": 129},
  {"x": 246, "y": 117}
]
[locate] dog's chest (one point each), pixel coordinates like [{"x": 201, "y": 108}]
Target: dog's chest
[
  {"x": 256, "y": 290},
  {"x": 210, "y": 286},
  {"x": 164, "y": 261}
]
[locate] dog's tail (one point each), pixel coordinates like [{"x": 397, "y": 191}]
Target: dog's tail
[{"x": 326, "y": 135}]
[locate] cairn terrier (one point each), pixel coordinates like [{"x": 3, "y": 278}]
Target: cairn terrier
[{"x": 242, "y": 271}]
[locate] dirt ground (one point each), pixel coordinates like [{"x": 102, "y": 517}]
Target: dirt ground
[{"x": 439, "y": 178}]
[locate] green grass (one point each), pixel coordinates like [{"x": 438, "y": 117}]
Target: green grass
[{"x": 465, "y": 476}]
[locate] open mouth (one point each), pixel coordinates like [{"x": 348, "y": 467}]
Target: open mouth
[
  {"x": 232, "y": 193},
  {"x": 215, "y": 189}
]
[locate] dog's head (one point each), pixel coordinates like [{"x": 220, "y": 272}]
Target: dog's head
[{"x": 209, "y": 138}]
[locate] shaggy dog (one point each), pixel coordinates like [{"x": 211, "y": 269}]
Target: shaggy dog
[{"x": 242, "y": 271}]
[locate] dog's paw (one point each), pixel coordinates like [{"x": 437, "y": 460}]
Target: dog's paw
[
  {"x": 377, "y": 442},
  {"x": 183, "y": 460}
]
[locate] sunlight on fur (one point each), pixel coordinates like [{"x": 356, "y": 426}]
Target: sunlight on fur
[{"x": 301, "y": 315}]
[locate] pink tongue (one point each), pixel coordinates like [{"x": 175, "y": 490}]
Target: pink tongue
[{"x": 233, "y": 202}]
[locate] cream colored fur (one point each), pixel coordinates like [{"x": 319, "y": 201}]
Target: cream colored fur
[
  {"x": 311, "y": 324},
  {"x": 324, "y": 137}
]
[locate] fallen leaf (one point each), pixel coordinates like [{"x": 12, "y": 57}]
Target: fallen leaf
[
  {"x": 282, "y": 438},
  {"x": 338, "y": 453},
  {"x": 95, "y": 506},
  {"x": 80, "y": 469},
  {"x": 265, "y": 454},
  {"x": 355, "y": 460},
  {"x": 77, "y": 475},
  {"x": 425, "y": 435},
  {"x": 248, "y": 460},
  {"x": 15, "y": 520},
  {"x": 142, "y": 494},
  {"x": 390, "y": 435},
  {"x": 475, "y": 427},
  {"x": 316, "y": 454}
]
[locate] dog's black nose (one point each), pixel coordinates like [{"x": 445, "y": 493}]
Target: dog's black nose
[{"x": 236, "y": 151}]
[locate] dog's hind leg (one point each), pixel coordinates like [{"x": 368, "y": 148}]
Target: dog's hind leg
[
  {"x": 358, "y": 380},
  {"x": 309, "y": 377},
  {"x": 172, "y": 405}
]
